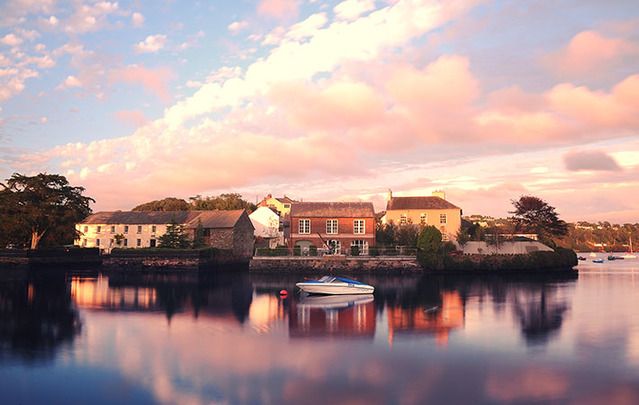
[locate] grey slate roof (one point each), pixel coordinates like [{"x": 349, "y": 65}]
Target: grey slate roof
[
  {"x": 210, "y": 219},
  {"x": 332, "y": 209},
  {"x": 417, "y": 203}
]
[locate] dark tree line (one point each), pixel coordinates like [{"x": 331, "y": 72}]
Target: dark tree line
[{"x": 227, "y": 201}]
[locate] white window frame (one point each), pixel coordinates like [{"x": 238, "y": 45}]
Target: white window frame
[
  {"x": 423, "y": 218},
  {"x": 112, "y": 228},
  {"x": 332, "y": 226},
  {"x": 362, "y": 244},
  {"x": 403, "y": 219},
  {"x": 139, "y": 229},
  {"x": 153, "y": 228},
  {"x": 359, "y": 226},
  {"x": 304, "y": 226},
  {"x": 126, "y": 228},
  {"x": 98, "y": 229},
  {"x": 138, "y": 243},
  {"x": 443, "y": 218}
]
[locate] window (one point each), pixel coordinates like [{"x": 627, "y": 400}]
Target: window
[
  {"x": 84, "y": 243},
  {"x": 86, "y": 229},
  {"x": 305, "y": 226},
  {"x": 423, "y": 218},
  {"x": 362, "y": 245},
  {"x": 112, "y": 228},
  {"x": 442, "y": 218},
  {"x": 97, "y": 242},
  {"x": 152, "y": 243},
  {"x": 153, "y": 228},
  {"x": 442, "y": 229},
  {"x": 287, "y": 206},
  {"x": 138, "y": 243},
  {"x": 139, "y": 228},
  {"x": 111, "y": 242},
  {"x": 335, "y": 247},
  {"x": 98, "y": 229},
  {"x": 403, "y": 219},
  {"x": 331, "y": 226},
  {"x": 126, "y": 242},
  {"x": 126, "y": 228},
  {"x": 359, "y": 226}
]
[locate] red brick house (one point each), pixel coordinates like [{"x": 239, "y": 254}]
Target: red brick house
[{"x": 334, "y": 225}]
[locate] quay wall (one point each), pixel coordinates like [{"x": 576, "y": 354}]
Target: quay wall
[{"x": 334, "y": 264}]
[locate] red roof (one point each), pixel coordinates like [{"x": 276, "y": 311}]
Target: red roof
[
  {"x": 419, "y": 203},
  {"x": 332, "y": 209}
]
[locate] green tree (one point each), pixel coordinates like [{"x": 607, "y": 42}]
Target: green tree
[
  {"x": 198, "y": 236},
  {"x": 228, "y": 201},
  {"x": 533, "y": 214},
  {"x": 429, "y": 240},
  {"x": 167, "y": 204},
  {"x": 174, "y": 238},
  {"x": 39, "y": 208}
]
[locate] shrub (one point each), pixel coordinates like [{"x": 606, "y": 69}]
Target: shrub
[
  {"x": 312, "y": 250},
  {"x": 297, "y": 251},
  {"x": 429, "y": 240},
  {"x": 354, "y": 250}
]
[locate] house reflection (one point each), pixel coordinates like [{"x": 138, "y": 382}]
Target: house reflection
[
  {"x": 438, "y": 320},
  {"x": 229, "y": 301},
  {"x": 333, "y": 316}
]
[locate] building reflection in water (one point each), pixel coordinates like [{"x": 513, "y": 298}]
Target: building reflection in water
[
  {"x": 229, "y": 299},
  {"x": 333, "y": 316},
  {"x": 438, "y": 320}
]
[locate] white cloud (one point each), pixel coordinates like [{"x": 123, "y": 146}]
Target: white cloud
[
  {"x": 237, "y": 26},
  {"x": 71, "y": 81},
  {"x": 53, "y": 21},
  {"x": 151, "y": 44},
  {"x": 351, "y": 9},
  {"x": 91, "y": 17},
  {"x": 137, "y": 19},
  {"x": 11, "y": 40},
  {"x": 308, "y": 27}
]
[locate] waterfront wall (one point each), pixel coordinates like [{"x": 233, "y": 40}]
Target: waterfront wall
[
  {"x": 334, "y": 264},
  {"x": 169, "y": 259}
]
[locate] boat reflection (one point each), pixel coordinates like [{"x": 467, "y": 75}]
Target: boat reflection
[{"x": 333, "y": 316}]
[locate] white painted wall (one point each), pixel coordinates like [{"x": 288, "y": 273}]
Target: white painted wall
[{"x": 105, "y": 233}]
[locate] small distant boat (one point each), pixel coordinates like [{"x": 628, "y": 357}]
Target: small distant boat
[
  {"x": 598, "y": 261},
  {"x": 611, "y": 257},
  {"x": 332, "y": 285},
  {"x": 581, "y": 258}
]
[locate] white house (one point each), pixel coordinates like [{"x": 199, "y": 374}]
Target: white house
[{"x": 267, "y": 226}]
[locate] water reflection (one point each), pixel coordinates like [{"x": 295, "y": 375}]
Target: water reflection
[
  {"x": 37, "y": 316},
  {"x": 341, "y": 315},
  {"x": 232, "y": 339}
]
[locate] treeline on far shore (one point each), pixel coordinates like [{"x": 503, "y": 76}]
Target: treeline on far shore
[{"x": 600, "y": 236}]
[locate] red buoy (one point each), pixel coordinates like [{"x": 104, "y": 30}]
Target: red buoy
[{"x": 283, "y": 293}]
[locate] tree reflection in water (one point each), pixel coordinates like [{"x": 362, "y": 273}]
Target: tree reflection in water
[{"x": 37, "y": 316}]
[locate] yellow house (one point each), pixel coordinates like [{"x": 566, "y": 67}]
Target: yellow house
[
  {"x": 280, "y": 204},
  {"x": 433, "y": 210}
]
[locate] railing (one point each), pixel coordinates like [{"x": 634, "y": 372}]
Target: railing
[{"x": 373, "y": 251}]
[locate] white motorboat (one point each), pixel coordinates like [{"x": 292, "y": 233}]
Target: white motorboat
[{"x": 333, "y": 285}]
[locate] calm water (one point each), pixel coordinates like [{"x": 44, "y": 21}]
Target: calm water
[{"x": 96, "y": 338}]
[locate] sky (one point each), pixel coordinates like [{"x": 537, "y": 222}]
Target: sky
[{"x": 328, "y": 101}]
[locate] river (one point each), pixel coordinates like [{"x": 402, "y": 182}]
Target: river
[{"x": 88, "y": 337}]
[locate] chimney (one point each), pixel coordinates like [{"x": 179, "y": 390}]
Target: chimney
[
  {"x": 439, "y": 193},
  {"x": 389, "y": 196}
]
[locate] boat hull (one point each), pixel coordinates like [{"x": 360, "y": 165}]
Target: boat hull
[{"x": 335, "y": 288}]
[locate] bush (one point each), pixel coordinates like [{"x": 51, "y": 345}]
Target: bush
[
  {"x": 373, "y": 251},
  {"x": 297, "y": 251},
  {"x": 430, "y": 240},
  {"x": 312, "y": 250},
  {"x": 354, "y": 250}
]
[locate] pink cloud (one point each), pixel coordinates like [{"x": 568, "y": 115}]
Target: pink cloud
[
  {"x": 153, "y": 80},
  {"x": 134, "y": 118},
  {"x": 590, "y": 52},
  {"x": 279, "y": 9}
]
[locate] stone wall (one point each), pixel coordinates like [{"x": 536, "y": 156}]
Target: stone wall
[
  {"x": 244, "y": 238},
  {"x": 221, "y": 238},
  {"x": 334, "y": 264}
]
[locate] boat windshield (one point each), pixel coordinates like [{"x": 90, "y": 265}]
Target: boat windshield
[
  {"x": 348, "y": 280},
  {"x": 327, "y": 279}
]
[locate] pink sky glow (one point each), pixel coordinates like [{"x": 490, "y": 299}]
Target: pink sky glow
[{"x": 330, "y": 101}]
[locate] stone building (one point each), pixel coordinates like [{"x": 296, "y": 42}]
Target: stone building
[
  {"x": 431, "y": 210},
  {"x": 231, "y": 230},
  {"x": 333, "y": 226}
]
